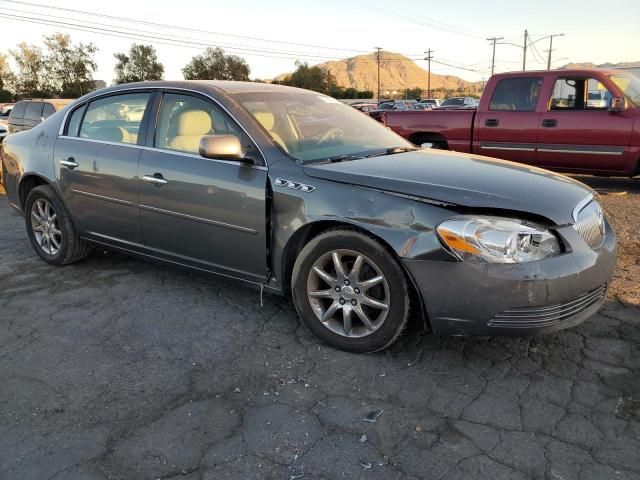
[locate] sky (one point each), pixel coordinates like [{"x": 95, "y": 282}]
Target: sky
[{"x": 271, "y": 35}]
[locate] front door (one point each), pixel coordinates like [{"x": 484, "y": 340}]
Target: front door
[
  {"x": 96, "y": 161},
  {"x": 578, "y": 132},
  {"x": 198, "y": 211},
  {"x": 509, "y": 128}
]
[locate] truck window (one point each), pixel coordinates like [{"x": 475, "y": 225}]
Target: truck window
[
  {"x": 18, "y": 110},
  {"x": 33, "y": 112},
  {"x": 516, "y": 94},
  {"x": 579, "y": 94}
]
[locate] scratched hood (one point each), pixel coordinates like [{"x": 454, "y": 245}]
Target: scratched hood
[{"x": 464, "y": 180}]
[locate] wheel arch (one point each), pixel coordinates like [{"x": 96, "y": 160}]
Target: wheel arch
[
  {"x": 312, "y": 229},
  {"x": 27, "y": 183},
  {"x": 419, "y": 138}
]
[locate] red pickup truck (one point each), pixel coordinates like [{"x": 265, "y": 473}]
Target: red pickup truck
[{"x": 585, "y": 121}]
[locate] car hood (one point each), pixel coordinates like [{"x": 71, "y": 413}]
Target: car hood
[{"x": 464, "y": 180}]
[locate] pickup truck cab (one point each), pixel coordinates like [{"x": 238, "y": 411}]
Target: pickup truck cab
[{"x": 544, "y": 118}]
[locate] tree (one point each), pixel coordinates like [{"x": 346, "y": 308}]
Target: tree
[
  {"x": 213, "y": 64},
  {"x": 70, "y": 67},
  {"x": 141, "y": 64},
  {"x": 311, "y": 78},
  {"x": 7, "y": 79},
  {"x": 32, "y": 80}
]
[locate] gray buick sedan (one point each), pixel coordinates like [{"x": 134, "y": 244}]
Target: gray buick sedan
[{"x": 294, "y": 192}]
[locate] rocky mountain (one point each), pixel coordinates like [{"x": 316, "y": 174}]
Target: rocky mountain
[{"x": 397, "y": 72}]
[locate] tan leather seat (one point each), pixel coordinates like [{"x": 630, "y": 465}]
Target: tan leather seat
[
  {"x": 191, "y": 126},
  {"x": 267, "y": 120},
  {"x": 114, "y": 134}
]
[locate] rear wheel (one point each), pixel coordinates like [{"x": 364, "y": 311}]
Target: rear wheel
[
  {"x": 350, "y": 291},
  {"x": 50, "y": 229}
]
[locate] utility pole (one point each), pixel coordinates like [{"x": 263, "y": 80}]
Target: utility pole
[
  {"x": 524, "y": 51},
  {"x": 551, "y": 48},
  {"x": 493, "y": 57},
  {"x": 378, "y": 60},
  {"x": 428, "y": 59}
]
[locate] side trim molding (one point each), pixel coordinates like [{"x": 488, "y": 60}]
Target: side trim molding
[{"x": 199, "y": 219}]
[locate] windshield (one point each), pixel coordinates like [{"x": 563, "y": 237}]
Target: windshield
[
  {"x": 453, "y": 101},
  {"x": 630, "y": 86},
  {"x": 312, "y": 127}
]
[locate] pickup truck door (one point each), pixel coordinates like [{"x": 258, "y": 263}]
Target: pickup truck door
[
  {"x": 578, "y": 132},
  {"x": 508, "y": 126},
  {"x": 196, "y": 211}
]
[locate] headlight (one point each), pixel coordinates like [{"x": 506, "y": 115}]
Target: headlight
[{"x": 497, "y": 240}]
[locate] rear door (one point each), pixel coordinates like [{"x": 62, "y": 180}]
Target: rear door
[
  {"x": 577, "y": 130},
  {"x": 96, "y": 160},
  {"x": 509, "y": 127},
  {"x": 197, "y": 211}
]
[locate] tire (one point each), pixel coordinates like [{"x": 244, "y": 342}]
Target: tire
[
  {"x": 71, "y": 248},
  {"x": 318, "y": 301}
]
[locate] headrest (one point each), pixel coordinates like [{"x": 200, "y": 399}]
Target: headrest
[
  {"x": 112, "y": 134},
  {"x": 265, "y": 119},
  {"x": 193, "y": 122}
]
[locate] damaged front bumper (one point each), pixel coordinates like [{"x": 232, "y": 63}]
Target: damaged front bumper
[{"x": 465, "y": 298}]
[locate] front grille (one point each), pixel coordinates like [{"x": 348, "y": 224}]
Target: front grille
[
  {"x": 589, "y": 223},
  {"x": 527, "y": 317}
]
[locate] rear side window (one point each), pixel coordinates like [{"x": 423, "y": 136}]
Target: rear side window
[
  {"x": 115, "y": 118},
  {"x": 516, "y": 94},
  {"x": 48, "y": 110},
  {"x": 74, "y": 121},
  {"x": 18, "y": 110},
  {"x": 33, "y": 112}
]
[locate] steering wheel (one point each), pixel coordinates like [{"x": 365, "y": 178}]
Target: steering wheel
[{"x": 333, "y": 133}]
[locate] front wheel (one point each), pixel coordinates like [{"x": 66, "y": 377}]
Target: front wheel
[
  {"x": 350, "y": 291},
  {"x": 50, "y": 228}
]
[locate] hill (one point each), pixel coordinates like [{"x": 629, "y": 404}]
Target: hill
[
  {"x": 602, "y": 65},
  {"x": 397, "y": 72}
]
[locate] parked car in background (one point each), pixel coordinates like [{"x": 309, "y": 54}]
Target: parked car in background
[
  {"x": 396, "y": 104},
  {"x": 459, "y": 102},
  {"x": 541, "y": 118},
  {"x": 5, "y": 110},
  {"x": 422, "y": 106},
  {"x": 365, "y": 107},
  {"x": 435, "y": 102},
  {"x": 26, "y": 114},
  {"x": 358, "y": 225},
  {"x": 4, "y": 130}
]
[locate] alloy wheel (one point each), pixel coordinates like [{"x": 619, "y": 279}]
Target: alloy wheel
[
  {"x": 46, "y": 226},
  {"x": 348, "y": 293}
]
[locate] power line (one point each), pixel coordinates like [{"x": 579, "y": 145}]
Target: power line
[
  {"x": 110, "y": 30},
  {"x": 174, "y": 27}
]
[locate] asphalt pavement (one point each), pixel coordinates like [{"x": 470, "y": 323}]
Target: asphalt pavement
[{"x": 114, "y": 368}]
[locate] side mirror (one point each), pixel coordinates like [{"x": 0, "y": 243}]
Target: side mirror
[
  {"x": 616, "y": 104},
  {"x": 222, "y": 147}
]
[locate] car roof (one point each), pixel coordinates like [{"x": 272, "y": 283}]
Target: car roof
[{"x": 226, "y": 86}]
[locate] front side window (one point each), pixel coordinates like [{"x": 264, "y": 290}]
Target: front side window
[
  {"x": 313, "y": 127},
  {"x": 185, "y": 119},
  {"x": 115, "y": 118},
  {"x": 33, "y": 112},
  {"x": 516, "y": 95},
  {"x": 579, "y": 94}
]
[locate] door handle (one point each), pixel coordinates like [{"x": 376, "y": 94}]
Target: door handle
[
  {"x": 70, "y": 163},
  {"x": 155, "y": 179},
  {"x": 491, "y": 122},
  {"x": 550, "y": 123}
]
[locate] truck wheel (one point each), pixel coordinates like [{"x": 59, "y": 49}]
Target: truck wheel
[
  {"x": 50, "y": 229},
  {"x": 350, "y": 291}
]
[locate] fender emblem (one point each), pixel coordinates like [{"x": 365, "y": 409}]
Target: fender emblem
[{"x": 280, "y": 182}]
